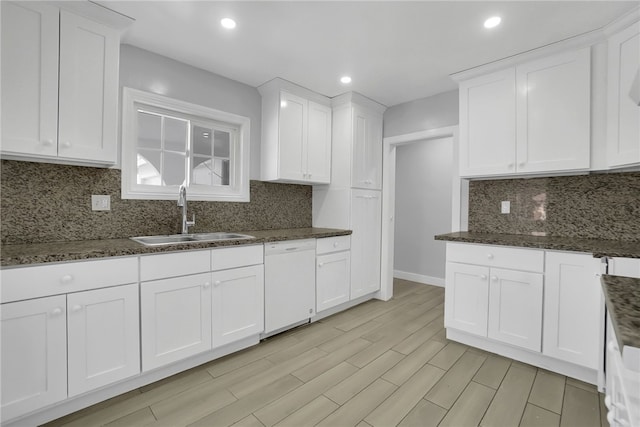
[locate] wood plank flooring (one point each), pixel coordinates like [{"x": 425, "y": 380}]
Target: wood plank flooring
[{"x": 378, "y": 364}]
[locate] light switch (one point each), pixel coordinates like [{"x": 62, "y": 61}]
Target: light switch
[
  {"x": 505, "y": 207},
  {"x": 100, "y": 202}
]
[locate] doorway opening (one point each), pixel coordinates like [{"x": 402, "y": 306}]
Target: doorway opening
[{"x": 458, "y": 190}]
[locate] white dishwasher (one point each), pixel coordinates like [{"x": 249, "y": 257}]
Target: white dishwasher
[{"x": 289, "y": 284}]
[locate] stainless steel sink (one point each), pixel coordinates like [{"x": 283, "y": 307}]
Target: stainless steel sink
[{"x": 173, "y": 239}]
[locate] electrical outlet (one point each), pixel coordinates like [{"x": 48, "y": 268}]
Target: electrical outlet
[
  {"x": 100, "y": 202},
  {"x": 505, "y": 207}
]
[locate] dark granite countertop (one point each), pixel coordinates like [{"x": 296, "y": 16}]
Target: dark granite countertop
[
  {"x": 622, "y": 297},
  {"x": 37, "y": 253},
  {"x": 598, "y": 247}
]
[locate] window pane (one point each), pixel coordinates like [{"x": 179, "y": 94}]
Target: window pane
[
  {"x": 222, "y": 144},
  {"x": 149, "y": 130},
  {"x": 175, "y": 134},
  {"x": 149, "y": 167},
  {"x": 203, "y": 171},
  {"x": 174, "y": 168},
  {"x": 201, "y": 140}
]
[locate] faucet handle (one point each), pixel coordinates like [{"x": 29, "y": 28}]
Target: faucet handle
[{"x": 193, "y": 221}]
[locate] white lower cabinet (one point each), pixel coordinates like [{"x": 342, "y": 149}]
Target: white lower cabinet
[
  {"x": 573, "y": 308},
  {"x": 104, "y": 337},
  {"x": 34, "y": 354},
  {"x": 622, "y": 384},
  {"x": 515, "y": 308},
  {"x": 542, "y": 307},
  {"x": 176, "y": 319},
  {"x": 466, "y": 299},
  {"x": 238, "y": 304},
  {"x": 333, "y": 272},
  {"x": 504, "y": 305}
]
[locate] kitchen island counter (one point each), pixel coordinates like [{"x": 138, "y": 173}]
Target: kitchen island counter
[
  {"x": 598, "y": 247},
  {"x": 37, "y": 253},
  {"x": 622, "y": 298}
]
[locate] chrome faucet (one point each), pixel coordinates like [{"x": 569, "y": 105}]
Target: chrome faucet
[{"x": 182, "y": 202}]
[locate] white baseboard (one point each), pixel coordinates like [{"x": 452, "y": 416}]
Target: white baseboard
[{"x": 420, "y": 278}]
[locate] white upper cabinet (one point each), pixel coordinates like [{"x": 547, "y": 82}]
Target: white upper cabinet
[
  {"x": 296, "y": 134},
  {"x": 30, "y": 78},
  {"x": 623, "y": 118},
  {"x": 88, "y": 90},
  {"x": 531, "y": 118},
  {"x": 60, "y": 86},
  {"x": 367, "y": 149},
  {"x": 357, "y": 142},
  {"x": 488, "y": 124},
  {"x": 554, "y": 113}
]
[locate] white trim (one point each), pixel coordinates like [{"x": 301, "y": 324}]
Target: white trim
[
  {"x": 419, "y": 278},
  {"x": 238, "y": 192},
  {"x": 458, "y": 218}
]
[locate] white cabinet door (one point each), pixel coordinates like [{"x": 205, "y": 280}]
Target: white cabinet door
[
  {"x": 176, "y": 319},
  {"x": 333, "y": 275},
  {"x": 318, "y": 147},
  {"x": 623, "y": 116},
  {"x": 487, "y": 124},
  {"x": 238, "y": 304},
  {"x": 366, "y": 207},
  {"x": 466, "y": 300},
  {"x": 553, "y": 113},
  {"x": 29, "y": 78},
  {"x": 292, "y": 136},
  {"x": 573, "y": 308},
  {"x": 515, "y": 308},
  {"x": 34, "y": 355},
  {"x": 88, "y": 89},
  {"x": 104, "y": 337},
  {"x": 367, "y": 149}
]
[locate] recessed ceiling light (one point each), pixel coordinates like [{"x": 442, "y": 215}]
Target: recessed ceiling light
[
  {"x": 345, "y": 80},
  {"x": 228, "y": 23},
  {"x": 494, "y": 21}
]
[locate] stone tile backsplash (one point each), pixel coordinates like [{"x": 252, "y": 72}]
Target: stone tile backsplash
[
  {"x": 601, "y": 205},
  {"x": 43, "y": 202}
]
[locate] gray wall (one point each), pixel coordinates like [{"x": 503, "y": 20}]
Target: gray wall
[
  {"x": 422, "y": 114},
  {"x": 423, "y": 206},
  {"x": 144, "y": 70}
]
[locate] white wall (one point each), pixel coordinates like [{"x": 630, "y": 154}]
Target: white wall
[
  {"x": 422, "y": 209},
  {"x": 144, "y": 70},
  {"x": 433, "y": 112}
]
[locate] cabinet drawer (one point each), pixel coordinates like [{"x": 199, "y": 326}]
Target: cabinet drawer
[
  {"x": 239, "y": 256},
  {"x": 174, "y": 264},
  {"x": 32, "y": 282},
  {"x": 496, "y": 256},
  {"x": 333, "y": 244}
]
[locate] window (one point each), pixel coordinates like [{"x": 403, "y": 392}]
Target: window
[{"x": 167, "y": 143}]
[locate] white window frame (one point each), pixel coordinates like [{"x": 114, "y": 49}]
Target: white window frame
[{"x": 237, "y": 191}]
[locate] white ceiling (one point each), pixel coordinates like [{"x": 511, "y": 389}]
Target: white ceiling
[{"x": 395, "y": 51}]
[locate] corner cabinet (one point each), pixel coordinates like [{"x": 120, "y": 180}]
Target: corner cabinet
[
  {"x": 296, "y": 134},
  {"x": 531, "y": 118},
  {"x": 60, "y": 86},
  {"x": 623, "y": 117}
]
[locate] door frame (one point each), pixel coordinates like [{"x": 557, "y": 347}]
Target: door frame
[{"x": 459, "y": 199}]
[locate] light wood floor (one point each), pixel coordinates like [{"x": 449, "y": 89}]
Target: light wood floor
[{"x": 377, "y": 364}]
